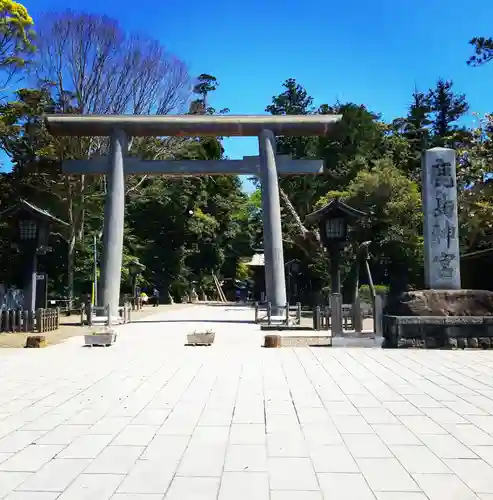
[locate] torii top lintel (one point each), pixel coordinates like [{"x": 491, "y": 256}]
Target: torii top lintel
[{"x": 190, "y": 125}]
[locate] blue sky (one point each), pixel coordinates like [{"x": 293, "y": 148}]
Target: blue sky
[{"x": 370, "y": 53}]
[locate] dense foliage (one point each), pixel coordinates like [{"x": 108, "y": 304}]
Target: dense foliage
[{"x": 185, "y": 229}]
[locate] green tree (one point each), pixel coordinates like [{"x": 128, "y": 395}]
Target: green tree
[
  {"x": 16, "y": 39},
  {"x": 483, "y": 51},
  {"x": 394, "y": 222},
  {"x": 87, "y": 64},
  {"x": 294, "y": 100},
  {"x": 446, "y": 107},
  {"x": 414, "y": 132}
]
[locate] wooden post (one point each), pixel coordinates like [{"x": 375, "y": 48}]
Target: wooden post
[
  {"x": 24, "y": 321},
  {"x": 39, "y": 321},
  {"x": 31, "y": 320},
  {"x": 269, "y": 313},
  {"x": 316, "y": 318},
  {"x": 18, "y": 320},
  {"x": 272, "y": 341},
  {"x": 256, "y": 312},
  {"x": 287, "y": 313},
  {"x": 298, "y": 313}
]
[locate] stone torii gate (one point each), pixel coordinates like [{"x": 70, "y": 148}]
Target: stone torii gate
[{"x": 267, "y": 166}]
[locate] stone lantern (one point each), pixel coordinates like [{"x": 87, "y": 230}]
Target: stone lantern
[
  {"x": 31, "y": 227},
  {"x": 334, "y": 220}
]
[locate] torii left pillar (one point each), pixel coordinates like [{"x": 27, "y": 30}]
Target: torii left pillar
[
  {"x": 275, "y": 280},
  {"x": 114, "y": 221}
]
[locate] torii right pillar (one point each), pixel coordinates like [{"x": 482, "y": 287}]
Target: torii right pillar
[
  {"x": 275, "y": 281},
  {"x": 441, "y": 227}
]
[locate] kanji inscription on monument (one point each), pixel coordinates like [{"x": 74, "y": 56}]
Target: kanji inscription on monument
[{"x": 441, "y": 238}]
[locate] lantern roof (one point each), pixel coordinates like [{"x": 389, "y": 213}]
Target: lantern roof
[
  {"x": 33, "y": 210},
  {"x": 336, "y": 208}
]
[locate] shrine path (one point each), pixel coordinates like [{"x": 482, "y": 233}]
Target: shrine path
[{"x": 151, "y": 419}]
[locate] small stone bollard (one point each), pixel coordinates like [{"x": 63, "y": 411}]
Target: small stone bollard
[{"x": 35, "y": 341}]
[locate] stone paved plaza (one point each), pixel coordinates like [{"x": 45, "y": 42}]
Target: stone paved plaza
[{"x": 151, "y": 419}]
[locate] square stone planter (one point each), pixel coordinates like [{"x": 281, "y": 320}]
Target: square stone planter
[
  {"x": 104, "y": 339},
  {"x": 200, "y": 338}
]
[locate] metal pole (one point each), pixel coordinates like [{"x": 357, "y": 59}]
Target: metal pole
[
  {"x": 114, "y": 212},
  {"x": 275, "y": 283}
]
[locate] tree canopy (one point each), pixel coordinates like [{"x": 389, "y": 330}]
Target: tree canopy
[{"x": 184, "y": 229}]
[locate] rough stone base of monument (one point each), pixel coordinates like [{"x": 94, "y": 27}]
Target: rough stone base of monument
[
  {"x": 200, "y": 339},
  {"x": 100, "y": 339},
  {"x": 445, "y": 332},
  {"x": 441, "y": 303}
]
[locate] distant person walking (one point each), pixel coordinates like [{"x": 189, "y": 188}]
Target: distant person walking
[{"x": 155, "y": 294}]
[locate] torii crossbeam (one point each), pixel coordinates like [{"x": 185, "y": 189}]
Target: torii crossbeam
[
  {"x": 250, "y": 165},
  {"x": 267, "y": 166}
]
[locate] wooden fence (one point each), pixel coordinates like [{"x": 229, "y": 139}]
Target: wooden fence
[
  {"x": 47, "y": 320},
  {"x": 39, "y": 321},
  {"x": 340, "y": 317},
  {"x": 263, "y": 313},
  {"x": 90, "y": 315}
]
